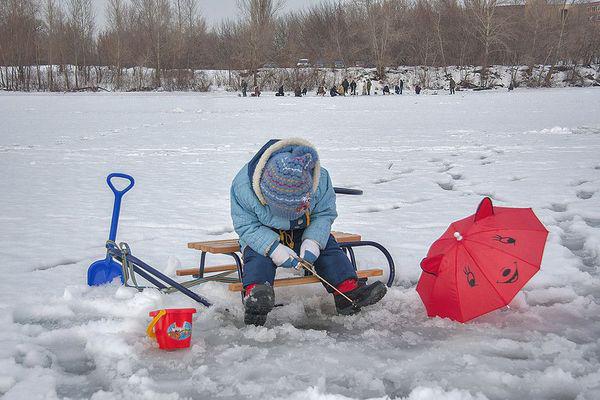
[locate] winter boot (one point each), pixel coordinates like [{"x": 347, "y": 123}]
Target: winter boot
[
  {"x": 259, "y": 300},
  {"x": 362, "y": 296}
]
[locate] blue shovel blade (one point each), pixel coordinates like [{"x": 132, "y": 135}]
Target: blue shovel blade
[{"x": 104, "y": 271}]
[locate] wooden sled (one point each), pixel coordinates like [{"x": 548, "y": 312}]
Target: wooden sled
[{"x": 220, "y": 273}]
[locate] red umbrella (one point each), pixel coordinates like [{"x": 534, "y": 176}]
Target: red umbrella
[{"x": 481, "y": 262}]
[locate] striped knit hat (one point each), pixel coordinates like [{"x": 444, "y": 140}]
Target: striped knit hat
[{"x": 287, "y": 181}]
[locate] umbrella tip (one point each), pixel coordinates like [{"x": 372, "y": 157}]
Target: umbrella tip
[{"x": 458, "y": 236}]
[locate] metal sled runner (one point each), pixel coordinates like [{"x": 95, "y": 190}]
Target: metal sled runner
[{"x": 132, "y": 265}]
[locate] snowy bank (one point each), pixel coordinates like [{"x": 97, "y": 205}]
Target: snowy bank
[{"x": 97, "y": 78}]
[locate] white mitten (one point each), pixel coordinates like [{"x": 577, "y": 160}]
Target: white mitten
[
  {"x": 310, "y": 250},
  {"x": 283, "y": 256}
]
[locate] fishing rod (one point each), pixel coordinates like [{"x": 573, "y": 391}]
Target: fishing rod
[{"x": 311, "y": 268}]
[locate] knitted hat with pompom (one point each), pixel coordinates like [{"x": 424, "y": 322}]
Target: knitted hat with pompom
[{"x": 287, "y": 181}]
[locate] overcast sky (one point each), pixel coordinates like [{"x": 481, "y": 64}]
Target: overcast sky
[{"x": 213, "y": 10}]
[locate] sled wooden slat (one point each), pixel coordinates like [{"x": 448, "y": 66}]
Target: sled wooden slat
[
  {"x": 196, "y": 271},
  {"x": 232, "y": 245},
  {"x": 236, "y": 287},
  {"x": 216, "y": 246}
]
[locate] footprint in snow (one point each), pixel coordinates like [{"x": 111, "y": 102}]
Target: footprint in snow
[
  {"x": 575, "y": 243},
  {"x": 585, "y": 194},
  {"x": 445, "y": 168},
  {"x": 385, "y": 180},
  {"x": 557, "y": 207},
  {"x": 376, "y": 209},
  {"x": 572, "y": 241},
  {"x": 592, "y": 222},
  {"x": 396, "y": 176},
  {"x": 446, "y": 185},
  {"x": 578, "y": 182}
]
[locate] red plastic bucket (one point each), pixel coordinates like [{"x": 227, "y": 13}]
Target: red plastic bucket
[{"x": 171, "y": 327}]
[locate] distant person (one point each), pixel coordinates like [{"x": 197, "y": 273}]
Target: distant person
[
  {"x": 297, "y": 92},
  {"x": 397, "y": 89},
  {"x": 401, "y": 84},
  {"x": 244, "y": 87},
  {"x": 369, "y": 84},
  {"x": 386, "y": 90},
  {"x": 304, "y": 91},
  {"x": 418, "y": 89},
  {"x": 364, "y": 88},
  {"x": 345, "y": 85},
  {"x": 321, "y": 90},
  {"x": 280, "y": 91},
  {"x": 333, "y": 91},
  {"x": 452, "y": 85},
  {"x": 340, "y": 90},
  {"x": 256, "y": 92},
  {"x": 353, "y": 87}
]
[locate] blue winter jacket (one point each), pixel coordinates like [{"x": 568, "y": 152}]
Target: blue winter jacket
[{"x": 252, "y": 218}]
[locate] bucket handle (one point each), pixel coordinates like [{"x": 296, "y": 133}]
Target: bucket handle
[{"x": 150, "y": 329}]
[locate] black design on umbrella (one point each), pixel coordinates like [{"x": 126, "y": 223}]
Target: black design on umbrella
[
  {"x": 505, "y": 239},
  {"x": 470, "y": 276},
  {"x": 511, "y": 275}
]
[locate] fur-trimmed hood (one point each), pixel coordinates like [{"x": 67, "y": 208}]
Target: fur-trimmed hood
[{"x": 274, "y": 146}]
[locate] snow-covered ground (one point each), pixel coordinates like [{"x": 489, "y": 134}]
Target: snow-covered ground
[{"x": 422, "y": 163}]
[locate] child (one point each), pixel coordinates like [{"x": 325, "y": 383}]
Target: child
[{"x": 282, "y": 206}]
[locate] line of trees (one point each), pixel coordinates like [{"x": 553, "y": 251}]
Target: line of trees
[{"x": 170, "y": 40}]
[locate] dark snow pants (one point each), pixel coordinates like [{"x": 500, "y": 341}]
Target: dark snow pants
[{"x": 332, "y": 264}]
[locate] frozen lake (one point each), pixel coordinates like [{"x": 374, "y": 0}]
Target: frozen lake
[{"x": 422, "y": 161}]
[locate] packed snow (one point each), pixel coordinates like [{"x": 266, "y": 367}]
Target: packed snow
[{"x": 422, "y": 161}]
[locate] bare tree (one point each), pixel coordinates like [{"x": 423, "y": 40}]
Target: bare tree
[
  {"x": 19, "y": 35},
  {"x": 154, "y": 18},
  {"x": 194, "y": 31},
  {"x": 116, "y": 18},
  {"x": 487, "y": 29},
  {"x": 54, "y": 26},
  {"x": 259, "y": 17},
  {"x": 380, "y": 15},
  {"x": 557, "y": 50},
  {"x": 81, "y": 26}
]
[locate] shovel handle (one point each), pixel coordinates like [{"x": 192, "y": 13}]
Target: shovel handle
[
  {"x": 150, "y": 328},
  {"x": 119, "y": 193},
  {"x": 117, "y": 205}
]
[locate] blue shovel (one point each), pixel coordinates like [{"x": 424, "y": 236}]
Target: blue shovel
[{"x": 104, "y": 271}]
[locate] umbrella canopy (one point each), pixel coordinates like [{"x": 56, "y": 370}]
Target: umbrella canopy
[{"x": 481, "y": 262}]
